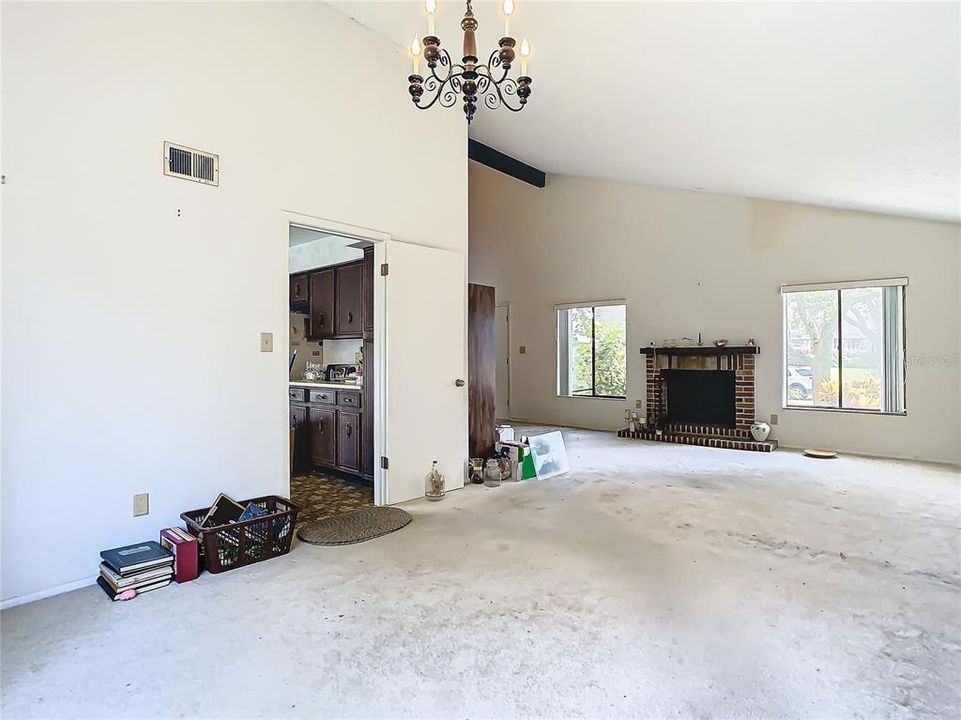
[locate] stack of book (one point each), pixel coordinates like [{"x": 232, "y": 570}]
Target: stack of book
[{"x": 134, "y": 569}]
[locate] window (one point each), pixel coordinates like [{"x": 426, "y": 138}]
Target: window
[
  {"x": 844, "y": 345},
  {"x": 592, "y": 350}
]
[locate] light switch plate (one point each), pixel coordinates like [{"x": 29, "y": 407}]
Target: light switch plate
[
  {"x": 141, "y": 504},
  {"x": 773, "y": 418},
  {"x": 266, "y": 342}
]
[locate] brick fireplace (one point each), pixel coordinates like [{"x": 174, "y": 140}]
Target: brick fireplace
[{"x": 713, "y": 391}]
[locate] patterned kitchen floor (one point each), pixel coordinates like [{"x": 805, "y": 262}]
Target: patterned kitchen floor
[{"x": 319, "y": 496}]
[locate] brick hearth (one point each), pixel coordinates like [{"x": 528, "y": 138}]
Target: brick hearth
[
  {"x": 728, "y": 442},
  {"x": 739, "y": 359}
]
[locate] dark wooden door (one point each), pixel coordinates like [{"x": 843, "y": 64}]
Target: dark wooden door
[
  {"x": 481, "y": 369},
  {"x": 368, "y": 285},
  {"x": 323, "y": 436},
  {"x": 348, "y": 440},
  {"x": 301, "y": 428},
  {"x": 298, "y": 289},
  {"x": 350, "y": 321},
  {"x": 367, "y": 419},
  {"x": 322, "y": 304}
]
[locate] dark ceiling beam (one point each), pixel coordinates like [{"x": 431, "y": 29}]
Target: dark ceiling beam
[{"x": 505, "y": 163}]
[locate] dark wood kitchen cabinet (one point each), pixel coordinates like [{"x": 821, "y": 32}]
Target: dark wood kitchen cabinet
[
  {"x": 323, "y": 435},
  {"x": 349, "y": 301},
  {"x": 301, "y": 427},
  {"x": 367, "y": 419},
  {"x": 332, "y": 429},
  {"x": 322, "y": 303},
  {"x": 368, "y": 288},
  {"x": 348, "y": 440},
  {"x": 299, "y": 289}
]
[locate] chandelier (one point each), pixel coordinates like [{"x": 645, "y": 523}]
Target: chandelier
[{"x": 470, "y": 78}]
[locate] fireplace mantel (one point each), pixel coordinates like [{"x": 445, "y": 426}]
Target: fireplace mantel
[{"x": 692, "y": 350}]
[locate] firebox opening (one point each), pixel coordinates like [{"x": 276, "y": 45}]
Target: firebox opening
[{"x": 703, "y": 397}]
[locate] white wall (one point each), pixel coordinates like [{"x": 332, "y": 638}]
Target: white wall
[
  {"x": 692, "y": 262},
  {"x": 153, "y": 282}
]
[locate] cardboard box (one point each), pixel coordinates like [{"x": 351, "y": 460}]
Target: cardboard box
[{"x": 522, "y": 463}]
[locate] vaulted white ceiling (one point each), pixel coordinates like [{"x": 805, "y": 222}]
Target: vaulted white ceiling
[{"x": 853, "y": 105}]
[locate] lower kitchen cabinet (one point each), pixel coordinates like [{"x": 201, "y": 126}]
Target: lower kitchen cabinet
[
  {"x": 348, "y": 440},
  {"x": 330, "y": 430},
  {"x": 367, "y": 441},
  {"x": 301, "y": 427},
  {"x": 323, "y": 436}
]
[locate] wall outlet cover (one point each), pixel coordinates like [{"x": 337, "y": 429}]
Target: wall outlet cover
[
  {"x": 141, "y": 504},
  {"x": 773, "y": 419},
  {"x": 637, "y": 404},
  {"x": 523, "y": 350}
]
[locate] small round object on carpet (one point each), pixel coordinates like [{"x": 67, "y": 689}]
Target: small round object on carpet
[
  {"x": 821, "y": 454},
  {"x": 354, "y": 527}
]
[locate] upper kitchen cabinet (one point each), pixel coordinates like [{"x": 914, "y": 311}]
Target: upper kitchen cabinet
[
  {"x": 322, "y": 303},
  {"x": 368, "y": 282},
  {"x": 340, "y": 299},
  {"x": 349, "y": 303},
  {"x": 298, "y": 289}
]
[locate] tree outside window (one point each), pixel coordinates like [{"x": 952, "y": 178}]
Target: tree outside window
[
  {"x": 844, "y": 347},
  {"x": 592, "y": 350}
]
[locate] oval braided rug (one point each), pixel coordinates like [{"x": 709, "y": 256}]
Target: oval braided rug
[{"x": 354, "y": 527}]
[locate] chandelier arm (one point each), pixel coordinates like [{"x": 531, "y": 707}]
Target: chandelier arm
[
  {"x": 446, "y": 91},
  {"x": 446, "y": 62},
  {"x": 495, "y": 91},
  {"x": 503, "y": 89},
  {"x": 494, "y": 61}
]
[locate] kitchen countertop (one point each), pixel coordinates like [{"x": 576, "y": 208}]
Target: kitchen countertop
[{"x": 330, "y": 385}]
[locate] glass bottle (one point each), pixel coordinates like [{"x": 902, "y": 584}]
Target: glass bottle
[
  {"x": 492, "y": 473},
  {"x": 434, "y": 484}
]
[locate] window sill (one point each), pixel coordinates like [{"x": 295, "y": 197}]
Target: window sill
[
  {"x": 591, "y": 397},
  {"x": 847, "y": 411}
]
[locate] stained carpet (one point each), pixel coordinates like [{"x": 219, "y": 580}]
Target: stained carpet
[{"x": 320, "y": 496}]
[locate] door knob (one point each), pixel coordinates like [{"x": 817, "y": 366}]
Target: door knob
[{"x": 459, "y": 383}]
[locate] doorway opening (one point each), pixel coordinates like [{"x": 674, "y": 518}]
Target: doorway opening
[
  {"x": 331, "y": 371},
  {"x": 502, "y": 381}
]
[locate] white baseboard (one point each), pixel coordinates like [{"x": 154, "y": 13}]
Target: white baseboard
[{"x": 49, "y": 592}]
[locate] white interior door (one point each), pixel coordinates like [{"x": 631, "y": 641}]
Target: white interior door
[
  {"x": 426, "y": 355},
  {"x": 502, "y": 382}
]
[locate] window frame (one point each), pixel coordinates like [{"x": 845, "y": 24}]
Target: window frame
[
  {"x": 592, "y": 305},
  {"x": 899, "y": 282}
]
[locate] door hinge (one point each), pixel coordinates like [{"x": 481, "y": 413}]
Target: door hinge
[
  {"x": 383, "y": 463},
  {"x": 384, "y": 269}
]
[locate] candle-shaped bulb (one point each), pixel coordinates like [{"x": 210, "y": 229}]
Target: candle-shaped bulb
[
  {"x": 415, "y": 54},
  {"x": 508, "y": 11},
  {"x": 431, "y": 7},
  {"x": 525, "y": 53}
]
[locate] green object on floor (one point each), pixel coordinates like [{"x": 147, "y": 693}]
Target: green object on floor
[{"x": 527, "y": 468}]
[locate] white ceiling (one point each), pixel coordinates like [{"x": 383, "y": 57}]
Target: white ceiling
[{"x": 854, "y": 105}]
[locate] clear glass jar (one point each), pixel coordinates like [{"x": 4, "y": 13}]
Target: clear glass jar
[
  {"x": 476, "y": 471},
  {"x": 507, "y": 468},
  {"x": 434, "y": 484},
  {"x": 492, "y": 473}
]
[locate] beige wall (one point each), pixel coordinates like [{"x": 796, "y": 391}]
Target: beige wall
[
  {"x": 159, "y": 287},
  {"x": 691, "y": 262}
]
